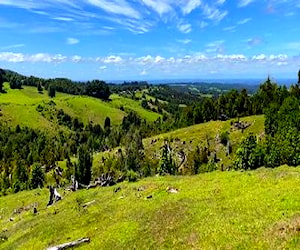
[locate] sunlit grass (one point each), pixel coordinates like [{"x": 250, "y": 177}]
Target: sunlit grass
[{"x": 219, "y": 210}]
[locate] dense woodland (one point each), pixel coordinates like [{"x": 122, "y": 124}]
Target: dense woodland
[{"x": 27, "y": 156}]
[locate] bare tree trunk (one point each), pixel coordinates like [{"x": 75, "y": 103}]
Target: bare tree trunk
[{"x": 69, "y": 244}]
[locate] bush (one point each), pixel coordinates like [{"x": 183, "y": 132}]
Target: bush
[
  {"x": 224, "y": 137},
  {"x": 132, "y": 176}
]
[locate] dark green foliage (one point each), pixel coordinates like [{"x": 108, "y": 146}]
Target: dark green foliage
[
  {"x": 15, "y": 83},
  {"x": 134, "y": 150},
  {"x": 107, "y": 125},
  {"x": 282, "y": 129},
  {"x": 144, "y": 104},
  {"x": 97, "y": 89},
  {"x": 37, "y": 176},
  {"x": 224, "y": 137},
  {"x": 20, "y": 176},
  {"x": 51, "y": 91},
  {"x": 2, "y": 79},
  {"x": 132, "y": 119},
  {"x": 132, "y": 176},
  {"x": 167, "y": 165},
  {"x": 299, "y": 76},
  {"x": 83, "y": 173},
  {"x": 250, "y": 155},
  {"x": 39, "y": 87}
]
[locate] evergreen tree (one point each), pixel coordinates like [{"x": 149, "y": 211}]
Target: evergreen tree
[
  {"x": 167, "y": 166},
  {"x": 250, "y": 155},
  {"x": 107, "y": 125},
  {"x": 51, "y": 91},
  {"x": 37, "y": 176},
  {"x": 1, "y": 79},
  {"x": 134, "y": 151},
  {"x": 83, "y": 171},
  {"x": 20, "y": 176},
  {"x": 39, "y": 87}
]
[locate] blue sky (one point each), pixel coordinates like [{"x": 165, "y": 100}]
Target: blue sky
[{"x": 151, "y": 39}]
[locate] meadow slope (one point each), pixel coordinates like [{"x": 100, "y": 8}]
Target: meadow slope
[
  {"x": 18, "y": 107},
  {"x": 218, "y": 210},
  {"x": 187, "y": 139}
]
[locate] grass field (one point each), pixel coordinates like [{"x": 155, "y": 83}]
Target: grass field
[
  {"x": 219, "y": 210},
  {"x": 19, "y": 107}
]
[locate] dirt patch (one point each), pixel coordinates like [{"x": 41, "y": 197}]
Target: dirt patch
[
  {"x": 287, "y": 228},
  {"x": 283, "y": 232}
]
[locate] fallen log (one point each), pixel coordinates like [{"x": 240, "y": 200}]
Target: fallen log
[
  {"x": 89, "y": 203},
  {"x": 69, "y": 244}
]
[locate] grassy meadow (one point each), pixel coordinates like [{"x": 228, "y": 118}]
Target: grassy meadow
[
  {"x": 19, "y": 107},
  {"x": 218, "y": 210}
]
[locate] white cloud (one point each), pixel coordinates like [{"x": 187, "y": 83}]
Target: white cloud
[
  {"x": 243, "y": 21},
  {"x": 72, "y": 41},
  {"x": 184, "y": 41},
  {"x": 76, "y": 59},
  {"x": 230, "y": 28},
  {"x": 120, "y": 7},
  {"x": 112, "y": 59},
  {"x": 159, "y": 6},
  {"x": 184, "y": 27},
  {"x": 65, "y": 19},
  {"x": 220, "y": 2},
  {"x": 12, "y": 57},
  {"x": 190, "y": 6},
  {"x": 213, "y": 13},
  {"x": 261, "y": 57},
  {"x": 244, "y": 3},
  {"x": 153, "y": 66}
]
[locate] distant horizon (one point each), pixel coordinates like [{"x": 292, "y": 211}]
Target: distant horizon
[
  {"x": 246, "y": 81},
  {"x": 151, "y": 39}
]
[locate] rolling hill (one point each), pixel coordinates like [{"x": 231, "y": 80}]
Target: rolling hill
[
  {"x": 19, "y": 107},
  {"x": 187, "y": 139},
  {"x": 219, "y": 210}
]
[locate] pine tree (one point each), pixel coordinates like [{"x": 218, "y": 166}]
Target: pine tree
[
  {"x": 37, "y": 176},
  {"x": 83, "y": 173},
  {"x": 167, "y": 165}
]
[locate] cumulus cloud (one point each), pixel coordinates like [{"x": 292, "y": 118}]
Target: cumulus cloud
[
  {"x": 112, "y": 59},
  {"x": 170, "y": 66}
]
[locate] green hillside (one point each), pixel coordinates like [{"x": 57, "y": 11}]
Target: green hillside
[
  {"x": 219, "y": 210},
  {"x": 18, "y": 107},
  {"x": 187, "y": 139}
]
